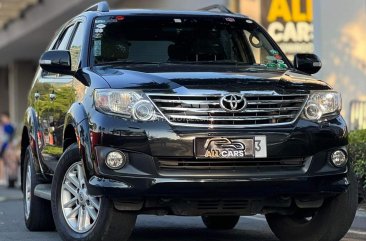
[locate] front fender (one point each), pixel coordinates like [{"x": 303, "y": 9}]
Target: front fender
[
  {"x": 78, "y": 119},
  {"x": 31, "y": 123}
]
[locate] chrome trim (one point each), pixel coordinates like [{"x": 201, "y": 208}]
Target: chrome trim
[
  {"x": 188, "y": 102},
  {"x": 252, "y": 110},
  {"x": 273, "y": 101},
  {"x": 234, "y": 101},
  {"x": 208, "y": 102},
  {"x": 228, "y": 118},
  {"x": 248, "y": 94}
]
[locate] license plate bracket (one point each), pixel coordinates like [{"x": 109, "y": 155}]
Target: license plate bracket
[{"x": 231, "y": 147}]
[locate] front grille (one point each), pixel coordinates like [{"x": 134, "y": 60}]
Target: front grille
[
  {"x": 222, "y": 164},
  {"x": 205, "y": 110}
]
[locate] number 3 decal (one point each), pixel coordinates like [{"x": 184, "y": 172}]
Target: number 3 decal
[{"x": 258, "y": 145}]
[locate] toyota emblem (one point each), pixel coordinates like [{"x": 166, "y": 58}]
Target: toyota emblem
[{"x": 233, "y": 102}]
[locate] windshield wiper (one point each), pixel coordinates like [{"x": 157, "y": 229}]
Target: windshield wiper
[
  {"x": 123, "y": 62},
  {"x": 228, "y": 62},
  {"x": 127, "y": 62}
]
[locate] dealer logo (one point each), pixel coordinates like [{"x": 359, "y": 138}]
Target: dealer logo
[
  {"x": 233, "y": 102},
  {"x": 224, "y": 148}
]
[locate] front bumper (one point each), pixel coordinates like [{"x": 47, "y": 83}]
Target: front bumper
[
  {"x": 147, "y": 143},
  {"x": 143, "y": 178}
]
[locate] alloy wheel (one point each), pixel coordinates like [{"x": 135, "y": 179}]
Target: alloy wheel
[
  {"x": 80, "y": 209},
  {"x": 28, "y": 193}
]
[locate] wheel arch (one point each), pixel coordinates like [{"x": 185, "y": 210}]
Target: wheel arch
[
  {"x": 25, "y": 141},
  {"x": 69, "y": 136},
  {"x": 29, "y": 137},
  {"x": 76, "y": 130}
]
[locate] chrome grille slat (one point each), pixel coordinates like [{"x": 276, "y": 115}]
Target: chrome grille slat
[
  {"x": 188, "y": 102},
  {"x": 225, "y": 118},
  {"x": 262, "y": 102},
  {"x": 217, "y": 110},
  {"x": 205, "y": 111},
  {"x": 201, "y": 110}
]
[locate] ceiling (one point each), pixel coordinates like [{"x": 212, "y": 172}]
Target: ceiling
[{"x": 12, "y": 9}]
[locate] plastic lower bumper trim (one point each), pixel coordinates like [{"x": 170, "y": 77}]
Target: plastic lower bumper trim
[{"x": 249, "y": 188}]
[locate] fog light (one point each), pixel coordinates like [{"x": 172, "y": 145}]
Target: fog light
[
  {"x": 115, "y": 160},
  {"x": 339, "y": 158}
]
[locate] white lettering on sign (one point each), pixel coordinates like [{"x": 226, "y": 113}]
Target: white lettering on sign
[
  {"x": 291, "y": 31},
  {"x": 289, "y": 22}
]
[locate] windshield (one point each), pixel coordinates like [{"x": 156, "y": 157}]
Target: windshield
[{"x": 181, "y": 39}]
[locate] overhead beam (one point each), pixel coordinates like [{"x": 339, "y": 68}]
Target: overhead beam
[
  {"x": 12, "y": 9},
  {"x": 27, "y": 37}
]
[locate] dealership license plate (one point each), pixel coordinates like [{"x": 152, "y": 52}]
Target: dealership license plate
[{"x": 231, "y": 147}]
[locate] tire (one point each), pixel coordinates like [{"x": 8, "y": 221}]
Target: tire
[
  {"x": 37, "y": 213},
  {"x": 361, "y": 191},
  {"x": 109, "y": 224},
  {"x": 220, "y": 222},
  {"x": 329, "y": 223}
]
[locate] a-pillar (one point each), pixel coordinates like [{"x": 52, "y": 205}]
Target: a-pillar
[{"x": 21, "y": 75}]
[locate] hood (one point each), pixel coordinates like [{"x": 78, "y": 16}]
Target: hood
[{"x": 194, "y": 78}]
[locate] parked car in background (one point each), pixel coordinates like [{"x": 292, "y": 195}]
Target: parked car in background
[{"x": 188, "y": 113}]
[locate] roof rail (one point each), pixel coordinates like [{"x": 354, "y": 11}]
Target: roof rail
[
  {"x": 100, "y": 7},
  {"x": 219, "y": 7}
]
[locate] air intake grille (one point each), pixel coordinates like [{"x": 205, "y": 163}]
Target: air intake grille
[
  {"x": 205, "y": 110},
  {"x": 222, "y": 164}
]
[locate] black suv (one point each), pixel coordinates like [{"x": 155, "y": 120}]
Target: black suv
[{"x": 189, "y": 113}]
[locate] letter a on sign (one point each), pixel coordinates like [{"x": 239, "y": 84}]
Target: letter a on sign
[{"x": 279, "y": 9}]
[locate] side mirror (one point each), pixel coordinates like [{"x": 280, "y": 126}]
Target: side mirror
[
  {"x": 308, "y": 63},
  {"x": 56, "y": 61}
]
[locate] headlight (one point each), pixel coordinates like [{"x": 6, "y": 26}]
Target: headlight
[
  {"x": 126, "y": 103},
  {"x": 322, "y": 104}
]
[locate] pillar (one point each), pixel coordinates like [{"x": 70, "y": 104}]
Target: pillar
[
  {"x": 21, "y": 75},
  {"x": 4, "y": 90}
]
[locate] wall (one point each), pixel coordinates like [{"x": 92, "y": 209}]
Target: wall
[
  {"x": 340, "y": 35},
  {"x": 4, "y": 95}
]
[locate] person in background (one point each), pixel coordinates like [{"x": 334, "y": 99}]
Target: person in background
[
  {"x": 8, "y": 134},
  {"x": 11, "y": 157}
]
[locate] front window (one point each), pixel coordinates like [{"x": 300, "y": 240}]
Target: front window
[{"x": 185, "y": 40}]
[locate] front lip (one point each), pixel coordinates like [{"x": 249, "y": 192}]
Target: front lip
[{"x": 250, "y": 188}]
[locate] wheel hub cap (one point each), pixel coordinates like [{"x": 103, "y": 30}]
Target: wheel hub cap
[{"x": 80, "y": 209}]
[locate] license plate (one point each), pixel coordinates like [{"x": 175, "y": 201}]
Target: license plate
[{"x": 231, "y": 147}]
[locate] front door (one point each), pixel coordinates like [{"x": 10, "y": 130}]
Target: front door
[{"x": 52, "y": 95}]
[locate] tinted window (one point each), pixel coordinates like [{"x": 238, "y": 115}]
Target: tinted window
[
  {"x": 181, "y": 39},
  {"x": 76, "y": 46},
  {"x": 65, "y": 38},
  {"x": 60, "y": 44}
]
